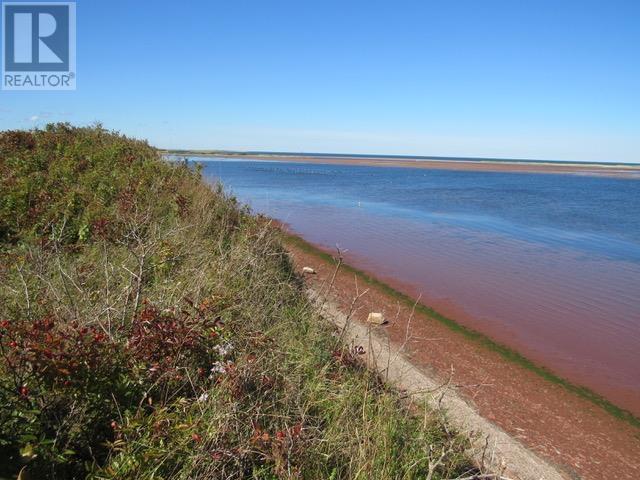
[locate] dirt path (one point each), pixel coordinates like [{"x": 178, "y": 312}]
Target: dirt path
[{"x": 577, "y": 437}]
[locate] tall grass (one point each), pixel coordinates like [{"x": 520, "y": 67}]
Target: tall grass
[{"x": 151, "y": 327}]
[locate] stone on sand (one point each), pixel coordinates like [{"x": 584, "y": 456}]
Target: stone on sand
[{"x": 376, "y": 318}]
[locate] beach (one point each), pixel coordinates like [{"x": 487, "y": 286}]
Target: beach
[
  {"x": 349, "y": 240},
  {"x": 548, "y": 265},
  {"x": 568, "y": 429},
  {"x": 436, "y": 163}
]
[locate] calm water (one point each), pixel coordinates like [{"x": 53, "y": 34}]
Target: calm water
[{"x": 548, "y": 264}]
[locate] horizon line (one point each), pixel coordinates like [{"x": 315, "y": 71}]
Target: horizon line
[{"x": 219, "y": 152}]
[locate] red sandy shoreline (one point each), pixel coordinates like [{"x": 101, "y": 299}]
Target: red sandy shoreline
[
  {"x": 558, "y": 310},
  {"x": 613, "y": 170},
  {"x": 559, "y": 425}
]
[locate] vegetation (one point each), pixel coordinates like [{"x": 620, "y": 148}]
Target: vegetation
[{"x": 150, "y": 327}]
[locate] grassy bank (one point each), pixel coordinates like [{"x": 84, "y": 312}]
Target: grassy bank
[
  {"x": 505, "y": 352},
  {"x": 150, "y": 327}
]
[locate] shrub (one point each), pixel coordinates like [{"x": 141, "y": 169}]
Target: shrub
[
  {"x": 150, "y": 327},
  {"x": 62, "y": 385}
]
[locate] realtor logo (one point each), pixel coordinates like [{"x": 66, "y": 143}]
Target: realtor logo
[{"x": 39, "y": 45}]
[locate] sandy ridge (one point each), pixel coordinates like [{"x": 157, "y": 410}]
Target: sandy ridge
[{"x": 629, "y": 171}]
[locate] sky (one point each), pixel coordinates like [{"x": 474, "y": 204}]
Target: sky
[{"x": 543, "y": 79}]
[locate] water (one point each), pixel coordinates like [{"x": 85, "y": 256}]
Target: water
[{"x": 547, "y": 264}]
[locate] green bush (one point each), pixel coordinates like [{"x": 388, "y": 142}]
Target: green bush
[{"x": 150, "y": 327}]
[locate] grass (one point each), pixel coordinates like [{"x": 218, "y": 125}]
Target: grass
[
  {"x": 470, "y": 334},
  {"x": 151, "y": 327}
]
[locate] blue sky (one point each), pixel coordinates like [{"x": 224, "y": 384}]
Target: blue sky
[{"x": 545, "y": 79}]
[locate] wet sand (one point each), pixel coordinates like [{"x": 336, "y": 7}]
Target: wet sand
[
  {"x": 579, "y": 436},
  {"x": 613, "y": 170}
]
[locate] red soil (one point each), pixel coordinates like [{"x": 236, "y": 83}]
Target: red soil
[{"x": 581, "y": 438}]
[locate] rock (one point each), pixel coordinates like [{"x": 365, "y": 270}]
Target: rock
[
  {"x": 376, "y": 318},
  {"x": 308, "y": 270}
]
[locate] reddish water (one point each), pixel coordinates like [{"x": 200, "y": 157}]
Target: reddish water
[
  {"x": 557, "y": 281},
  {"x": 547, "y": 303}
]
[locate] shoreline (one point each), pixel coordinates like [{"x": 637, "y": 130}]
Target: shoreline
[
  {"x": 506, "y": 454},
  {"x": 486, "y": 341},
  {"x": 545, "y": 408},
  {"x": 617, "y": 170}
]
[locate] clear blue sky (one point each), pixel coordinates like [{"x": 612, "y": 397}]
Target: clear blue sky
[{"x": 551, "y": 79}]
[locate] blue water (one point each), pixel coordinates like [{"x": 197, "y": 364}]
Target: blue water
[
  {"x": 599, "y": 213},
  {"x": 547, "y": 263}
]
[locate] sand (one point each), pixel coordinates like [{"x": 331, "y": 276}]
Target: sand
[
  {"x": 578, "y": 437},
  {"x": 612, "y": 170}
]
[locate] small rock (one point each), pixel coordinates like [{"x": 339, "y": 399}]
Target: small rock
[
  {"x": 376, "y": 318},
  {"x": 308, "y": 270}
]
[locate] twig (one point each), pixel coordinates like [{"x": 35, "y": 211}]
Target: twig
[
  {"x": 483, "y": 476},
  {"x": 26, "y": 292}
]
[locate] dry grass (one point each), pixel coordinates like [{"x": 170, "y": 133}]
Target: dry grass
[{"x": 253, "y": 385}]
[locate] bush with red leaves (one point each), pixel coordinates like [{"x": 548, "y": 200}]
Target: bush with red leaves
[
  {"x": 50, "y": 353},
  {"x": 67, "y": 381},
  {"x": 61, "y": 384},
  {"x": 174, "y": 347}
]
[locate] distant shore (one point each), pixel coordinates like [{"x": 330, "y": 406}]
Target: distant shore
[{"x": 436, "y": 163}]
